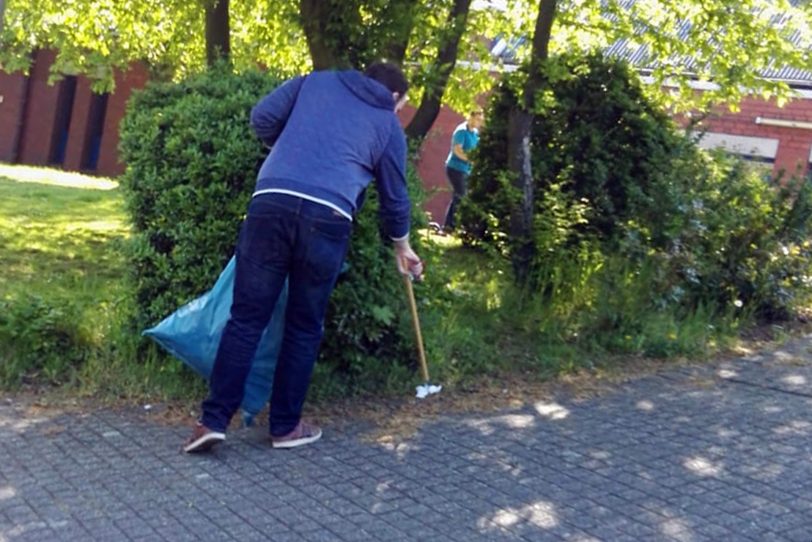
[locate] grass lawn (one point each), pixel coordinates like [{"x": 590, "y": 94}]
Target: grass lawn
[
  {"x": 61, "y": 243},
  {"x": 61, "y": 240},
  {"x": 63, "y": 293},
  {"x": 60, "y": 235}
]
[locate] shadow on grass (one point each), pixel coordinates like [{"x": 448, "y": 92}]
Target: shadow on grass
[{"x": 53, "y": 238}]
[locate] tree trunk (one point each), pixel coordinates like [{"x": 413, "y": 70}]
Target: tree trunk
[
  {"x": 2, "y": 14},
  {"x": 401, "y": 13},
  {"x": 218, "y": 39},
  {"x": 443, "y": 64},
  {"x": 326, "y": 50},
  {"x": 520, "y": 122},
  {"x": 338, "y": 37}
]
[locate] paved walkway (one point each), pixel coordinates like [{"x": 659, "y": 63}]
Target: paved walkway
[{"x": 721, "y": 452}]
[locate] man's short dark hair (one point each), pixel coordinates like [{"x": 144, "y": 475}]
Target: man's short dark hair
[{"x": 389, "y": 75}]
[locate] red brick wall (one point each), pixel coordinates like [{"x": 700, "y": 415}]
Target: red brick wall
[
  {"x": 12, "y": 90},
  {"x": 794, "y": 143},
  {"x": 793, "y": 149},
  {"x": 126, "y": 82},
  {"x": 40, "y": 116},
  {"x": 40, "y": 112}
]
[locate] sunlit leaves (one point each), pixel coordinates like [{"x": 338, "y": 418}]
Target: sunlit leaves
[
  {"x": 728, "y": 42},
  {"x": 267, "y": 33},
  {"x": 94, "y": 37}
]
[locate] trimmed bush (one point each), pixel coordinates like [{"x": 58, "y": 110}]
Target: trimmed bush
[
  {"x": 191, "y": 162},
  {"x": 739, "y": 241},
  {"x": 367, "y": 328},
  {"x": 191, "y": 165}
]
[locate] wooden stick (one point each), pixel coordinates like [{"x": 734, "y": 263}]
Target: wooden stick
[{"x": 416, "y": 321}]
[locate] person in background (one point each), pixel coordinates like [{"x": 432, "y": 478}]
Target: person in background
[
  {"x": 458, "y": 164},
  {"x": 330, "y": 133}
]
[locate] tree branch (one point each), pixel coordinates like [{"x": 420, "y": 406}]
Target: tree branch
[{"x": 444, "y": 65}]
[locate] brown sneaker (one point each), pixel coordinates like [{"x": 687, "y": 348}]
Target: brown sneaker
[
  {"x": 302, "y": 434},
  {"x": 203, "y": 439}
]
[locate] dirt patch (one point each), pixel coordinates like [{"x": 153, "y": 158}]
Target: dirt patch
[
  {"x": 396, "y": 419},
  {"x": 52, "y": 402}
]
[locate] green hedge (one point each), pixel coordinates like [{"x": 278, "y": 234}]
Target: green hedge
[
  {"x": 191, "y": 161},
  {"x": 617, "y": 184},
  {"x": 191, "y": 167},
  {"x": 594, "y": 132}
]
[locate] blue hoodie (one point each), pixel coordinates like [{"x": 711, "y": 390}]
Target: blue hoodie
[{"x": 330, "y": 133}]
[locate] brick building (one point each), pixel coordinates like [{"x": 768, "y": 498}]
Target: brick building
[
  {"x": 779, "y": 138},
  {"x": 66, "y": 125}
]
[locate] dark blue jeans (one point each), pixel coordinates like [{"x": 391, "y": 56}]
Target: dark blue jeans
[
  {"x": 459, "y": 182},
  {"x": 282, "y": 236}
]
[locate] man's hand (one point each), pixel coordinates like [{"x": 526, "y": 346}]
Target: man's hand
[{"x": 408, "y": 262}]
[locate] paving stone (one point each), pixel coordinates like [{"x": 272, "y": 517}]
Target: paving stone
[
  {"x": 800, "y": 534},
  {"x": 720, "y": 461}
]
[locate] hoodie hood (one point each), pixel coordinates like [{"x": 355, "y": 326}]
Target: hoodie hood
[{"x": 368, "y": 90}]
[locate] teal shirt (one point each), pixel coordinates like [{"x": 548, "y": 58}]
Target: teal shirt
[{"x": 469, "y": 139}]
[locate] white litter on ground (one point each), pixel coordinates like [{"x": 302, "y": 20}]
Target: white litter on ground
[{"x": 427, "y": 389}]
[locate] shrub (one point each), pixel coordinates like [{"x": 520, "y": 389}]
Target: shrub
[
  {"x": 191, "y": 162},
  {"x": 41, "y": 340},
  {"x": 365, "y": 328},
  {"x": 740, "y": 242},
  {"x": 632, "y": 220},
  {"x": 191, "y": 165},
  {"x": 595, "y": 131}
]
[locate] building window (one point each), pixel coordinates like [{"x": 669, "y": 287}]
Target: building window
[
  {"x": 64, "y": 111},
  {"x": 763, "y": 166},
  {"x": 809, "y": 166},
  {"x": 94, "y": 132},
  {"x": 757, "y": 152}
]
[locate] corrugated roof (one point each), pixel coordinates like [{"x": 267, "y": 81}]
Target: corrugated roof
[{"x": 639, "y": 56}]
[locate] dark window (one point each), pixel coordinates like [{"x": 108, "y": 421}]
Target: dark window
[
  {"x": 95, "y": 129},
  {"x": 761, "y": 165},
  {"x": 64, "y": 110}
]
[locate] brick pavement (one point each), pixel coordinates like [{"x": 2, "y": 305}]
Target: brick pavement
[{"x": 716, "y": 452}]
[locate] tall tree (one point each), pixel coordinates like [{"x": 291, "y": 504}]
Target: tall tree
[
  {"x": 218, "y": 31},
  {"x": 329, "y": 26},
  {"x": 442, "y": 67},
  {"x": 351, "y": 33},
  {"x": 731, "y": 41},
  {"x": 519, "y": 128},
  {"x": 96, "y": 37},
  {"x": 343, "y": 33}
]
